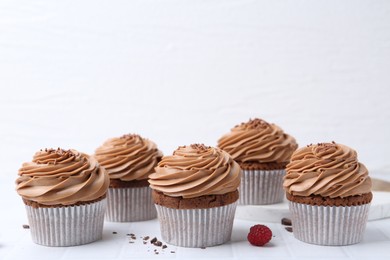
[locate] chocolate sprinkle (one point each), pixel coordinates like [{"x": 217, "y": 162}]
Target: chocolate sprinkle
[
  {"x": 164, "y": 246},
  {"x": 153, "y": 240},
  {"x": 25, "y": 226},
  {"x": 286, "y": 221},
  {"x": 157, "y": 243},
  {"x": 289, "y": 229}
]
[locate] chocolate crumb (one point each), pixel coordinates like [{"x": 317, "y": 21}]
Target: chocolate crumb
[
  {"x": 172, "y": 252},
  {"x": 286, "y": 221},
  {"x": 25, "y": 226},
  {"x": 203, "y": 247},
  {"x": 146, "y": 238},
  {"x": 114, "y": 232},
  {"x": 200, "y": 147},
  {"x": 153, "y": 240},
  {"x": 131, "y": 242},
  {"x": 131, "y": 234},
  {"x": 144, "y": 242},
  {"x": 157, "y": 243},
  {"x": 164, "y": 246},
  {"x": 156, "y": 253},
  {"x": 289, "y": 229}
]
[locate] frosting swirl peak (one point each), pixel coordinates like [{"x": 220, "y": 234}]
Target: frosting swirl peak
[
  {"x": 196, "y": 170},
  {"x": 61, "y": 177},
  {"x": 258, "y": 141},
  {"x": 129, "y": 157},
  {"x": 326, "y": 169}
]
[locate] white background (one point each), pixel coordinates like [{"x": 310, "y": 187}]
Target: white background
[{"x": 74, "y": 73}]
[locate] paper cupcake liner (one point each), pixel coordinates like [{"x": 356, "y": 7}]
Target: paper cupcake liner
[
  {"x": 130, "y": 204},
  {"x": 329, "y": 225},
  {"x": 196, "y": 227},
  {"x": 261, "y": 187},
  {"x": 67, "y": 226}
]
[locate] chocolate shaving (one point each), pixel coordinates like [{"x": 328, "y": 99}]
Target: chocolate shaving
[
  {"x": 286, "y": 221},
  {"x": 289, "y": 229},
  {"x": 200, "y": 147},
  {"x": 131, "y": 136},
  {"x": 157, "y": 243},
  {"x": 254, "y": 124}
]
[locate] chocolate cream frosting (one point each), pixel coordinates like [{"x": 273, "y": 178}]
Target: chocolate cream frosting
[
  {"x": 61, "y": 177},
  {"x": 258, "y": 141},
  {"x": 194, "y": 171},
  {"x": 129, "y": 157},
  {"x": 328, "y": 170}
]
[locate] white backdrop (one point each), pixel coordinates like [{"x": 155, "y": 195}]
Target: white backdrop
[{"x": 74, "y": 73}]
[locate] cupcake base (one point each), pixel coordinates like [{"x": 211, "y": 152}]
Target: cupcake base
[
  {"x": 130, "y": 204},
  {"x": 66, "y": 225},
  {"x": 196, "y": 227},
  {"x": 329, "y": 225},
  {"x": 261, "y": 187},
  {"x": 196, "y": 222}
]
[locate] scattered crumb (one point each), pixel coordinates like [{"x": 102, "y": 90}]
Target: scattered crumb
[
  {"x": 289, "y": 229},
  {"x": 172, "y": 252},
  {"x": 157, "y": 243},
  {"x": 114, "y": 232},
  {"x": 286, "y": 221},
  {"x": 153, "y": 241},
  {"x": 25, "y": 226},
  {"x": 203, "y": 247}
]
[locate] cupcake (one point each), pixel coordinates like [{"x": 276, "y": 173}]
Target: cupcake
[
  {"x": 129, "y": 160},
  {"x": 329, "y": 194},
  {"x": 262, "y": 151},
  {"x": 195, "y": 192},
  {"x": 64, "y": 194}
]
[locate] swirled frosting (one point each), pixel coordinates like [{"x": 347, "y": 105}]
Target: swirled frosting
[
  {"x": 129, "y": 157},
  {"x": 326, "y": 169},
  {"x": 61, "y": 177},
  {"x": 196, "y": 170},
  {"x": 258, "y": 141}
]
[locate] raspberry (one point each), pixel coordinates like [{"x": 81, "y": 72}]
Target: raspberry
[{"x": 259, "y": 235}]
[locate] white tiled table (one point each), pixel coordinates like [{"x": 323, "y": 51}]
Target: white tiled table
[{"x": 15, "y": 242}]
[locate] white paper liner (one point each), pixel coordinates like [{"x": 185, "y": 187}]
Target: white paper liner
[
  {"x": 196, "y": 227},
  {"x": 329, "y": 225},
  {"x": 261, "y": 187},
  {"x": 130, "y": 204},
  {"x": 67, "y": 226}
]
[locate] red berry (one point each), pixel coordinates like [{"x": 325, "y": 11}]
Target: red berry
[{"x": 259, "y": 235}]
